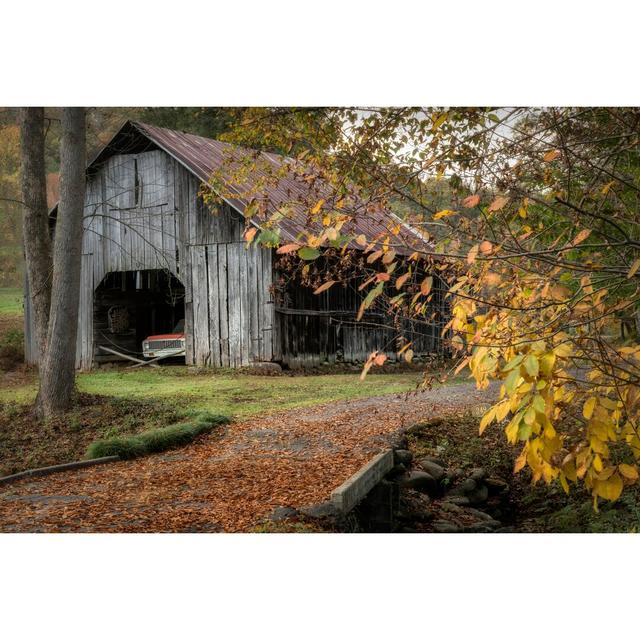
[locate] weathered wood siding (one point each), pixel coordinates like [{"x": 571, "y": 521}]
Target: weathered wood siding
[
  {"x": 233, "y": 313},
  {"x": 142, "y": 211},
  {"x": 311, "y": 330}
]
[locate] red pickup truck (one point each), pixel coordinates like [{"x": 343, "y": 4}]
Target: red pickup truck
[{"x": 165, "y": 345}]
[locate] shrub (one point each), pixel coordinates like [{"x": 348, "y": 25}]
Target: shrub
[
  {"x": 156, "y": 440},
  {"x": 11, "y": 349}
]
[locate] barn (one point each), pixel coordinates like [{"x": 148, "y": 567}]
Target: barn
[{"x": 157, "y": 256}]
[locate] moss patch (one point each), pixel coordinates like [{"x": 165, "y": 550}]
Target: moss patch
[{"x": 156, "y": 440}]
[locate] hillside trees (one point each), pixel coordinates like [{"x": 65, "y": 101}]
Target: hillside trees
[{"x": 539, "y": 245}]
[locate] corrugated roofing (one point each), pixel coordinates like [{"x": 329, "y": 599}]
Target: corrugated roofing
[{"x": 278, "y": 184}]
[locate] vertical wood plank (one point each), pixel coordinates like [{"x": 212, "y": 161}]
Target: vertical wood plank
[
  {"x": 234, "y": 305},
  {"x": 214, "y": 304},
  {"x": 223, "y": 309},
  {"x": 200, "y": 306}
]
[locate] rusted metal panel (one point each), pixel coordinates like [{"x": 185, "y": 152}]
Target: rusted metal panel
[{"x": 205, "y": 158}]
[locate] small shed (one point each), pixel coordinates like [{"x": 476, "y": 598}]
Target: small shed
[{"x": 156, "y": 256}]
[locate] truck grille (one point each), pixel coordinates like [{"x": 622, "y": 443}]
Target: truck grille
[{"x": 157, "y": 345}]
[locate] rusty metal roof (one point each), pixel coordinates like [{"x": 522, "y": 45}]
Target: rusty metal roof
[{"x": 278, "y": 184}]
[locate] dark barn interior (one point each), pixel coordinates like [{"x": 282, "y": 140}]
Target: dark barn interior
[
  {"x": 317, "y": 329},
  {"x": 129, "y": 306}
]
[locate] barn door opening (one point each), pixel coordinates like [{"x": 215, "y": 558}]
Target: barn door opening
[{"x": 131, "y": 306}]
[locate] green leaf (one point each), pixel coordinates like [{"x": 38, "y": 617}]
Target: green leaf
[
  {"x": 308, "y": 253},
  {"x": 531, "y": 365},
  {"x": 513, "y": 363}
]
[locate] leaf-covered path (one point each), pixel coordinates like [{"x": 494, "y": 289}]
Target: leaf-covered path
[{"x": 231, "y": 480}]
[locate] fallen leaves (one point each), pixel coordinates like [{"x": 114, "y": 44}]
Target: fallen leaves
[{"x": 227, "y": 481}]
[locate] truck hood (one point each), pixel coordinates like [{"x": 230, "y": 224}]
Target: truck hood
[{"x": 166, "y": 336}]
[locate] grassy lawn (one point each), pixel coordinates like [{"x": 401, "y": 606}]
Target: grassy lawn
[
  {"x": 235, "y": 394},
  {"x": 10, "y": 302},
  {"x": 117, "y": 404}
]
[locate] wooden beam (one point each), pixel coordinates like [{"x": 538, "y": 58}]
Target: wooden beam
[{"x": 126, "y": 357}]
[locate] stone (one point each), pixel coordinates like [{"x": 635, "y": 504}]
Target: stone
[
  {"x": 461, "y": 501},
  {"x": 478, "y": 527},
  {"x": 444, "y": 526},
  {"x": 479, "y": 514},
  {"x": 419, "y": 480},
  {"x": 454, "y": 474},
  {"x": 402, "y": 456},
  {"x": 321, "y": 510},
  {"x": 479, "y": 496},
  {"x": 267, "y": 368},
  {"x": 478, "y": 474},
  {"x": 282, "y": 513},
  {"x": 435, "y": 460},
  {"x": 496, "y": 485},
  {"x": 397, "y": 470},
  {"x": 452, "y": 507},
  {"x": 464, "y": 488},
  {"x": 432, "y": 468}
]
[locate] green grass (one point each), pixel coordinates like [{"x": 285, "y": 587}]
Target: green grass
[
  {"x": 10, "y": 301},
  {"x": 156, "y": 440},
  {"x": 226, "y": 392}
]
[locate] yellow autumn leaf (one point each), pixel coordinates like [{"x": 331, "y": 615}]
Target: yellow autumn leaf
[
  {"x": 443, "y": 214},
  {"x": 607, "y": 187},
  {"x": 628, "y": 471},
  {"x": 609, "y": 489},
  {"x": 531, "y": 365},
  {"x": 550, "y": 156},
  {"x": 487, "y": 419},
  {"x": 317, "y": 206},
  {"x": 589, "y": 406},
  {"x": 634, "y": 268},
  {"x": 439, "y": 121}
]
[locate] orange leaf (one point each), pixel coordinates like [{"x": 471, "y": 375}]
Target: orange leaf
[
  {"x": 374, "y": 256},
  {"x": 250, "y": 233},
  {"x": 473, "y": 254},
  {"x": 382, "y": 277},
  {"x": 498, "y": 203},
  {"x": 401, "y": 280},
  {"x": 471, "y": 201},
  {"x": 486, "y": 247},
  {"x": 550, "y": 156},
  {"x": 583, "y": 235},
  {"x": 426, "y": 285},
  {"x": 288, "y": 248},
  {"x": 324, "y": 287},
  {"x": 379, "y": 360}
]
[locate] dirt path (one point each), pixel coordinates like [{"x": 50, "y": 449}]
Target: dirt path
[{"x": 231, "y": 480}]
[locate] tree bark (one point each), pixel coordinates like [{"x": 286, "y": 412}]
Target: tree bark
[
  {"x": 35, "y": 220},
  {"x": 57, "y": 371}
]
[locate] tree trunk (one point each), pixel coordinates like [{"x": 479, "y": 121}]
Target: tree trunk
[
  {"x": 35, "y": 220},
  {"x": 57, "y": 371}
]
